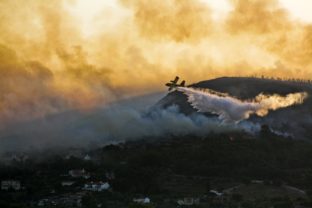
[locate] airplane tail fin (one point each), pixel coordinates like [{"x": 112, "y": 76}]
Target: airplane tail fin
[{"x": 183, "y": 83}]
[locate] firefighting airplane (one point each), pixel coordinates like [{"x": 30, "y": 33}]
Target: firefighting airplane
[{"x": 174, "y": 84}]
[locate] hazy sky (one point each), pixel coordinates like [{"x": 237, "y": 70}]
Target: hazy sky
[
  {"x": 87, "y": 10},
  {"x": 61, "y": 55},
  {"x": 300, "y": 9}
]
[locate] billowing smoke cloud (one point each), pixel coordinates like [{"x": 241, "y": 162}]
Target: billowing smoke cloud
[
  {"x": 115, "y": 123},
  {"x": 49, "y": 66},
  {"x": 231, "y": 109},
  {"x": 177, "y": 20}
]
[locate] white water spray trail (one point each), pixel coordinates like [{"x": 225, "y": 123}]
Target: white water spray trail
[{"x": 231, "y": 109}]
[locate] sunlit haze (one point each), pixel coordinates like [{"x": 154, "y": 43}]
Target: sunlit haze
[
  {"x": 155, "y": 103},
  {"x": 114, "y": 49}
]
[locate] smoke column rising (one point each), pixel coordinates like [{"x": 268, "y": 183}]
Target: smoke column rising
[
  {"x": 231, "y": 109},
  {"x": 130, "y": 47}
]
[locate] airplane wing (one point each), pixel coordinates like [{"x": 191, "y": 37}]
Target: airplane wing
[{"x": 176, "y": 79}]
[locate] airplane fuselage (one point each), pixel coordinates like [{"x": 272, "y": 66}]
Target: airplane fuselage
[{"x": 174, "y": 84}]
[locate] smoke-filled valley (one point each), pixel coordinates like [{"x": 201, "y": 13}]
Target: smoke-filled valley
[
  {"x": 123, "y": 48},
  {"x": 237, "y": 109},
  {"x": 131, "y": 119},
  {"x": 71, "y": 57},
  {"x": 86, "y": 121}
]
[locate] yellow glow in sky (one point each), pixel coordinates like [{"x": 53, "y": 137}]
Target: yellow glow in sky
[
  {"x": 98, "y": 47},
  {"x": 300, "y": 9},
  {"x": 87, "y": 10}
]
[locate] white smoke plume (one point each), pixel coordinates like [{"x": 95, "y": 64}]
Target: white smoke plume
[
  {"x": 118, "y": 122},
  {"x": 231, "y": 109}
]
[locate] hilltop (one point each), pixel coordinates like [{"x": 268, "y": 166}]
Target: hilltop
[{"x": 295, "y": 120}]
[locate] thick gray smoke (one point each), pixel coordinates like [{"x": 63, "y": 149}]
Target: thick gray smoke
[
  {"x": 231, "y": 109},
  {"x": 118, "y": 122},
  {"x": 131, "y": 120}
]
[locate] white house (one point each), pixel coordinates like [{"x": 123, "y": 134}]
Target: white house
[
  {"x": 216, "y": 193},
  {"x": 79, "y": 174},
  {"x": 257, "y": 181},
  {"x": 188, "y": 201},
  {"x": 74, "y": 153},
  {"x": 10, "y": 184},
  {"x": 87, "y": 157},
  {"x": 96, "y": 186},
  {"x": 67, "y": 183},
  {"x": 110, "y": 175},
  {"x": 145, "y": 200},
  {"x": 19, "y": 157}
]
